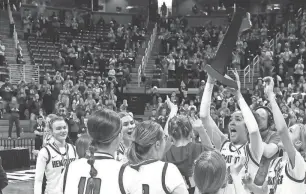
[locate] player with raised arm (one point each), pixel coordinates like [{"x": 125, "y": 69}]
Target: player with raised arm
[
  {"x": 245, "y": 140},
  {"x": 101, "y": 172},
  {"x": 287, "y": 173}
]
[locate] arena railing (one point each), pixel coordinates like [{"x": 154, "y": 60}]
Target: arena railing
[
  {"x": 147, "y": 55},
  {"x": 28, "y": 143}
]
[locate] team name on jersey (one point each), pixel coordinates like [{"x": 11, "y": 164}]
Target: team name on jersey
[
  {"x": 60, "y": 163},
  {"x": 272, "y": 180},
  {"x": 229, "y": 158}
]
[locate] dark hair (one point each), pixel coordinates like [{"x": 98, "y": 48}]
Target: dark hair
[
  {"x": 269, "y": 113},
  {"x": 145, "y": 134},
  {"x": 180, "y": 127},
  {"x": 103, "y": 126}
]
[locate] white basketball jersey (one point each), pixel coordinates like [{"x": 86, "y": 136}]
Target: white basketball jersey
[
  {"x": 57, "y": 161},
  {"x": 282, "y": 179},
  {"x": 159, "y": 177},
  {"x": 113, "y": 177},
  {"x": 232, "y": 155}
]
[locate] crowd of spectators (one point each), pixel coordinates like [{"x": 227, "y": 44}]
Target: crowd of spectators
[
  {"x": 75, "y": 95},
  {"x": 188, "y": 51},
  {"x": 185, "y": 51}
]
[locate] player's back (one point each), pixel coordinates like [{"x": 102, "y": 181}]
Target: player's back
[
  {"x": 108, "y": 179},
  {"x": 159, "y": 177}
]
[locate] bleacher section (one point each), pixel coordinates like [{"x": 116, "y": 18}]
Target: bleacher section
[{"x": 43, "y": 51}]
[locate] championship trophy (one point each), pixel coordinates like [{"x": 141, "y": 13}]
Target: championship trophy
[{"x": 240, "y": 22}]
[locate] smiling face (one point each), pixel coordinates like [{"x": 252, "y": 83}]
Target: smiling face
[
  {"x": 237, "y": 128},
  {"x": 60, "y": 130},
  {"x": 128, "y": 126}
]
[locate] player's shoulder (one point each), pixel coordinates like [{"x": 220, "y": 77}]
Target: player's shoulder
[
  {"x": 78, "y": 164},
  {"x": 225, "y": 145}
]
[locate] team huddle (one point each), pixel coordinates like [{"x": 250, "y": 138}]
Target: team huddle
[{"x": 120, "y": 156}]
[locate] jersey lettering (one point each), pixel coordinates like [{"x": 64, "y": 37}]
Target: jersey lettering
[
  {"x": 230, "y": 158},
  {"x": 60, "y": 163},
  {"x": 145, "y": 189},
  {"x": 90, "y": 189},
  {"x": 271, "y": 180}
]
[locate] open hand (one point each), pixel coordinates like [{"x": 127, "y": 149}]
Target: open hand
[
  {"x": 235, "y": 72},
  {"x": 236, "y": 168},
  {"x": 172, "y": 106},
  {"x": 269, "y": 86}
]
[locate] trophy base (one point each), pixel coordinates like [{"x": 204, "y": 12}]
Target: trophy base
[{"x": 221, "y": 78}]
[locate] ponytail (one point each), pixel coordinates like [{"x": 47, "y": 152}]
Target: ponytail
[
  {"x": 91, "y": 160},
  {"x": 137, "y": 152}
]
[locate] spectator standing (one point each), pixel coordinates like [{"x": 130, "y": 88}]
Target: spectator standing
[
  {"x": 34, "y": 108},
  {"x": 2, "y": 50},
  {"x": 298, "y": 70},
  {"x": 6, "y": 92},
  {"x": 13, "y": 109},
  {"x": 39, "y": 132}
]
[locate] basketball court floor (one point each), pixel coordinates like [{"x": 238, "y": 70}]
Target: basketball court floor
[{"x": 20, "y": 182}]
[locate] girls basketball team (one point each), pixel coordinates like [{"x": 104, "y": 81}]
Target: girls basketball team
[{"x": 117, "y": 156}]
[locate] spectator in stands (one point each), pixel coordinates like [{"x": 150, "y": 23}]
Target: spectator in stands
[
  {"x": 13, "y": 110},
  {"x": 2, "y": 54},
  {"x": 19, "y": 55},
  {"x": 34, "y": 107},
  {"x": 112, "y": 39},
  {"x": 6, "y": 92},
  {"x": 38, "y": 129}
]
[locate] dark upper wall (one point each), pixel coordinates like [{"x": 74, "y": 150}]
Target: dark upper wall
[
  {"x": 110, "y": 5},
  {"x": 184, "y": 7}
]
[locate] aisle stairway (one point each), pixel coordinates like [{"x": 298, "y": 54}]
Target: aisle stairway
[
  {"x": 23, "y": 72},
  {"x": 9, "y": 42}
]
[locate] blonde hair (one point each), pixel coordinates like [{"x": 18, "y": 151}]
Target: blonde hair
[
  {"x": 82, "y": 145},
  {"x": 210, "y": 172},
  {"x": 145, "y": 135}
]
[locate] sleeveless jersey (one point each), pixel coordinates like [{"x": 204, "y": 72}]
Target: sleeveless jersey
[
  {"x": 56, "y": 163},
  {"x": 232, "y": 155},
  {"x": 120, "y": 154},
  {"x": 283, "y": 179},
  {"x": 112, "y": 177},
  {"x": 159, "y": 177}
]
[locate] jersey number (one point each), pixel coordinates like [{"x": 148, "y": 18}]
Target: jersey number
[{"x": 89, "y": 190}]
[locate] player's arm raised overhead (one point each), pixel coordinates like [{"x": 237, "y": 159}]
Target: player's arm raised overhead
[
  {"x": 280, "y": 123},
  {"x": 256, "y": 145},
  {"x": 41, "y": 163},
  {"x": 173, "y": 112},
  {"x": 213, "y": 131}
]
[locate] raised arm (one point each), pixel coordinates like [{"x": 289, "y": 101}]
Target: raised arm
[
  {"x": 214, "y": 133},
  {"x": 280, "y": 125},
  {"x": 173, "y": 112},
  {"x": 256, "y": 145}
]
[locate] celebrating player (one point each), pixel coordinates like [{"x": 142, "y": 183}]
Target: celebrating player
[
  {"x": 287, "y": 173},
  {"x": 128, "y": 125},
  {"x": 184, "y": 151},
  {"x": 101, "y": 173},
  {"x": 245, "y": 139},
  {"x": 145, "y": 153},
  {"x": 53, "y": 158}
]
